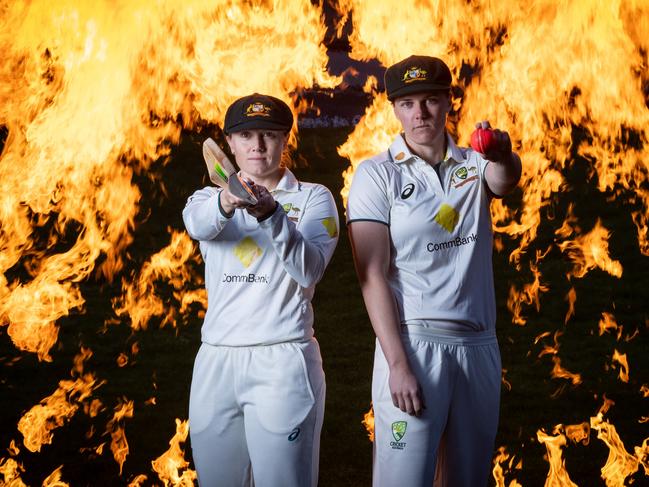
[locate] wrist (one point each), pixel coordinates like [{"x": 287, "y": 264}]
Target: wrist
[
  {"x": 269, "y": 214},
  {"x": 226, "y": 210}
]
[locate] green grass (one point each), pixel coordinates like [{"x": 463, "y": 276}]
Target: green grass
[{"x": 162, "y": 368}]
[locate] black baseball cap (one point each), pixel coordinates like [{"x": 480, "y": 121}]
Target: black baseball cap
[
  {"x": 257, "y": 112},
  {"x": 417, "y": 74}
]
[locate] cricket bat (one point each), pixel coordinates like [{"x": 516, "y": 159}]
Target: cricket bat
[{"x": 223, "y": 173}]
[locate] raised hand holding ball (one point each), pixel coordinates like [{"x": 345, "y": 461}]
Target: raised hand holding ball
[{"x": 495, "y": 145}]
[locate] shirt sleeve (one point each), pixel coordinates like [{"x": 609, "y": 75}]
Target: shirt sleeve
[
  {"x": 306, "y": 249},
  {"x": 368, "y": 198},
  {"x": 203, "y": 216}
]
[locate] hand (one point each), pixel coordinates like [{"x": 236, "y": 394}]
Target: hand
[
  {"x": 501, "y": 150},
  {"x": 230, "y": 202},
  {"x": 405, "y": 390},
  {"x": 266, "y": 204}
]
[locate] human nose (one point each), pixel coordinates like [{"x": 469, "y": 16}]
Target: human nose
[
  {"x": 421, "y": 110},
  {"x": 258, "y": 143}
]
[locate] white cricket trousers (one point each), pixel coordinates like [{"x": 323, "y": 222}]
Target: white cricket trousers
[
  {"x": 255, "y": 414},
  {"x": 460, "y": 375}
]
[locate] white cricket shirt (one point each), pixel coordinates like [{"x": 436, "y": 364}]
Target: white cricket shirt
[
  {"x": 440, "y": 232},
  {"x": 261, "y": 276}
]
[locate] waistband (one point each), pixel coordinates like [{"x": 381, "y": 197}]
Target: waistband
[
  {"x": 297, "y": 341},
  {"x": 450, "y": 337}
]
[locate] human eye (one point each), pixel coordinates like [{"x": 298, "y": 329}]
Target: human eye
[
  {"x": 270, "y": 135},
  {"x": 244, "y": 134},
  {"x": 406, "y": 103}
]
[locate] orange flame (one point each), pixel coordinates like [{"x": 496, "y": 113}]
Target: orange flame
[
  {"x": 608, "y": 323},
  {"x": 38, "y": 423},
  {"x": 140, "y": 301},
  {"x": 558, "y": 372},
  {"x": 368, "y": 422},
  {"x": 621, "y": 359},
  {"x": 54, "y": 479},
  {"x": 79, "y": 101},
  {"x": 558, "y": 475},
  {"x": 115, "y": 427},
  {"x": 10, "y": 470},
  {"x": 498, "y": 472},
  {"x": 168, "y": 466},
  {"x": 590, "y": 251},
  {"x": 530, "y": 294},
  {"x": 620, "y": 464},
  {"x": 571, "y": 297}
]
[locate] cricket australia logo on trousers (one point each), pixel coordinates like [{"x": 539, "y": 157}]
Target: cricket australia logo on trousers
[{"x": 398, "y": 432}]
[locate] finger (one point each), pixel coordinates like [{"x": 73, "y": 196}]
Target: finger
[
  {"x": 409, "y": 407},
  {"x": 417, "y": 405},
  {"x": 402, "y": 403},
  {"x": 485, "y": 124},
  {"x": 395, "y": 400}
]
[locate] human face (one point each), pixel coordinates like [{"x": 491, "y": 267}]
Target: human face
[
  {"x": 423, "y": 117},
  {"x": 258, "y": 152}
]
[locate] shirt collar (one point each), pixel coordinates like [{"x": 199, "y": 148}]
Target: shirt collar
[
  {"x": 400, "y": 152},
  {"x": 287, "y": 183}
]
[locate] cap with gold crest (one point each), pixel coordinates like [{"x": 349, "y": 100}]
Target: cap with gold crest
[
  {"x": 257, "y": 112},
  {"x": 416, "y": 74}
]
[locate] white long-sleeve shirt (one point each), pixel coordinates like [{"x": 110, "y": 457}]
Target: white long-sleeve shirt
[{"x": 261, "y": 276}]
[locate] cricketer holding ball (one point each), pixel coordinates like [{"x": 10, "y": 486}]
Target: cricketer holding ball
[
  {"x": 420, "y": 227},
  {"x": 257, "y": 395}
]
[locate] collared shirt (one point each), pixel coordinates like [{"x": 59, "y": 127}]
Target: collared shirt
[
  {"x": 440, "y": 233},
  {"x": 261, "y": 276}
]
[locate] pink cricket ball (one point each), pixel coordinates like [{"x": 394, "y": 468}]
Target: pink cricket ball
[{"x": 483, "y": 140}]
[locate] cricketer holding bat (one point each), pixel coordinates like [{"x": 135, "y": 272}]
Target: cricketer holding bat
[
  {"x": 419, "y": 222},
  {"x": 257, "y": 394}
]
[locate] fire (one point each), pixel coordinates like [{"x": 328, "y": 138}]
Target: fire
[
  {"x": 608, "y": 323},
  {"x": 10, "y": 470},
  {"x": 504, "y": 459},
  {"x": 590, "y": 251},
  {"x": 115, "y": 428},
  {"x": 94, "y": 96},
  {"x": 368, "y": 422},
  {"x": 169, "y": 465},
  {"x": 621, "y": 359},
  {"x": 54, "y": 479},
  {"x": 620, "y": 464},
  {"x": 79, "y": 102},
  {"x": 141, "y": 300},
  {"x": 38, "y": 423},
  {"x": 558, "y": 372},
  {"x": 558, "y": 475}
]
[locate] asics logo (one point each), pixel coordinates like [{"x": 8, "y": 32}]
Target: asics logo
[{"x": 407, "y": 191}]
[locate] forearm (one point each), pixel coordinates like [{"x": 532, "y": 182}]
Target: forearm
[
  {"x": 203, "y": 217},
  {"x": 382, "y": 310},
  {"x": 305, "y": 262},
  {"x": 306, "y": 248},
  {"x": 503, "y": 176}
]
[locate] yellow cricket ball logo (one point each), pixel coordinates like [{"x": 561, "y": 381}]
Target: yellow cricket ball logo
[
  {"x": 414, "y": 73},
  {"x": 258, "y": 109}
]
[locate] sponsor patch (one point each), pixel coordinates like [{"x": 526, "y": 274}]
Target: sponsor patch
[
  {"x": 247, "y": 251},
  {"x": 330, "y": 225},
  {"x": 447, "y": 217}
]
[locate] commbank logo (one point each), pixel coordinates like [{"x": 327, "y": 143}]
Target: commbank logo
[{"x": 407, "y": 191}]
